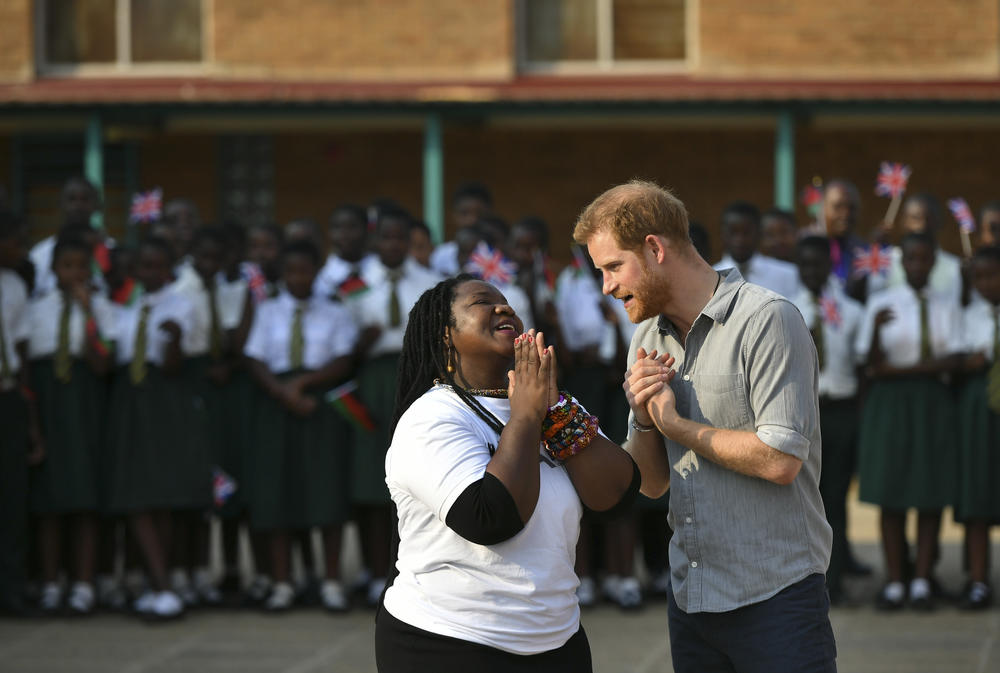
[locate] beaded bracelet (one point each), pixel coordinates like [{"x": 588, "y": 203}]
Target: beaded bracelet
[{"x": 567, "y": 429}]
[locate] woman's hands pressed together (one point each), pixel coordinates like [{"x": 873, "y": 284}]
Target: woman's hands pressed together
[{"x": 532, "y": 387}]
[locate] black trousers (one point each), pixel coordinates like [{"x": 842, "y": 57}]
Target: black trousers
[
  {"x": 402, "y": 648},
  {"x": 13, "y": 496}
]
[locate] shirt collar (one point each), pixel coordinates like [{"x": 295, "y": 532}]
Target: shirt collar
[
  {"x": 286, "y": 298},
  {"x": 719, "y": 306}
]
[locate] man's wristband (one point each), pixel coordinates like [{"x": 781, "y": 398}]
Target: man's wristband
[{"x": 639, "y": 427}]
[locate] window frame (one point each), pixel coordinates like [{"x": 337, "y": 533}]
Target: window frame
[
  {"x": 605, "y": 61},
  {"x": 123, "y": 65}
]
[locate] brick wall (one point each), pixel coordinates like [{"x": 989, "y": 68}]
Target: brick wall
[
  {"x": 849, "y": 38},
  {"x": 16, "y": 40},
  {"x": 356, "y": 39}
]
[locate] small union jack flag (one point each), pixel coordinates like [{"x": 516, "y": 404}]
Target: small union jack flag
[
  {"x": 490, "y": 265},
  {"x": 256, "y": 281},
  {"x": 875, "y": 259},
  {"x": 830, "y": 310},
  {"x": 892, "y": 178},
  {"x": 223, "y": 486},
  {"x": 960, "y": 209},
  {"x": 146, "y": 206}
]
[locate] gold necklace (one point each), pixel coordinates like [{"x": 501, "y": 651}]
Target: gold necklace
[{"x": 477, "y": 392}]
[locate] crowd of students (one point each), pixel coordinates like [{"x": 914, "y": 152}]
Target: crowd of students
[{"x": 234, "y": 372}]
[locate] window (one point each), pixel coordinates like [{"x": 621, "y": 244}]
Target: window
[
  {"x": 104, "y": 36},
  {"x": 247, "y": 165},
  {"x": 589, "y": 35}
]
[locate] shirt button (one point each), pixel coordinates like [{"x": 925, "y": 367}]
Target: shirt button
[
  {"x": 687, "y": 377},
  {"x": 687, "y": 519},
  {"x": 694, "y": 564}
]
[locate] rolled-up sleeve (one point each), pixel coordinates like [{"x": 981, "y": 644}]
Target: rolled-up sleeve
[{"x": 782, "y": 371}]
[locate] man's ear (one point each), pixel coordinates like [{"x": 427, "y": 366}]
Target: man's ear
[{"x": 656, "y": 246}]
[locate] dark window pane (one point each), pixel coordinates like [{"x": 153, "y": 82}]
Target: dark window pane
[
  {"x": 561, "y": 30},
  {"x": 80, "y": 31},
  {"x": 649, "y": 29},
  {"x": 166, "y": 31}
]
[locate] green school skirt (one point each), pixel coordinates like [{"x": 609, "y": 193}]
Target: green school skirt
[
  {"x": 979, "y": 454},
  {"x": 908, "y": 453},
  {"x": 72, "y": 415},
  {"x": 238, "y": 404},
  {"x": 157, "y": 454},
  {"x": 299, "y": 467},
  {"x": 377, "y": 382}
]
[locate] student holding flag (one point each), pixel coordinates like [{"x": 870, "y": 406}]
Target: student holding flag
[
  {"x": 380, "y": 304},
  {"x": 833, "y": 319},
  {"x": 157, "y": 465},
  {"x": 978, "y": 502},
  {"x": 910, "y": 339},
  {"x": 350, "y": 258},
  {"x": 299, "y": 345},
  {"x": 68, "y": 361}
]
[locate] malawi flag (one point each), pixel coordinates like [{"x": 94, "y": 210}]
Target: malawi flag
[
  {"x": 345, "y": 400},
  {"x": 352, "y": 288}
]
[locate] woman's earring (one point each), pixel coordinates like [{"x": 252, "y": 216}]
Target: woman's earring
[{"x": 449, "y": 367}]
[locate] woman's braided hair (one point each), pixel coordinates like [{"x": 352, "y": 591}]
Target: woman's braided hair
[{"x": 425, "y": 354}]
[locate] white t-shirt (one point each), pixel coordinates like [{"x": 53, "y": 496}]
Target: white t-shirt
[
  {"x": 900, "y": 338},
  {"x": 166, "y": 305},
  {"x": 517, "y": 596},
  {"x": 45, "y": 312},
  {"x": 841, "y": 321},
  {"x": 774, "y": 274}
]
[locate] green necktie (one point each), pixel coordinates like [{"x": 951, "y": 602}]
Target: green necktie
[
  {"x": 5, "y": 372},
  {"x": 993, "y": 380},
  {"x": 817, "y": 332},
  {"x": 296, "y": 344},
  {"x": 215, "y": 347},
  {"x": 63, "y": 361},
  {"x": 137, "y": 368},
  {"x": 925, "y": 332},
  {"x": 395, "y": 310}
]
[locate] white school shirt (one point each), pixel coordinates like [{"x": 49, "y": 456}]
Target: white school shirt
[
  {"x": 45, "y": 313},
  {"x": 229, "y": 298},
  {"x": 578, "y": 303},
  {"x": 167, "y": 304},
  {"x": 838, "y": 377},
  {"x": 900, "y": 338},
  {"x": 328, "y": 332},
  {"x": 774, "y": 274},
  {"x": 371, "y": 307},
  {"x": 978, "y": 327},
  {"x": 444, "y": 259},
  {"x": 945, "y": 278},
  {"x": 518, "y": 595},
  {"x": 336, "y": 270},
  {"x": 14, "y": 305}
]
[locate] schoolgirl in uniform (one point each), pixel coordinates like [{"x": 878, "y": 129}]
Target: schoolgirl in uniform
[
  {"x": 158, "y": 465},
  {"x": 910, "y": 338},
  {"x": 393, "y": 284},
  {"x": 69, "y": 361},
  {"x": 20, "y": 441},
  {"x": 978, "y": 502},
  {"x": 300, "y": 345}
]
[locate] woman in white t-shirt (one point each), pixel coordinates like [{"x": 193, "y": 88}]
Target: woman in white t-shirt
[{"x": 490, "y": 469}]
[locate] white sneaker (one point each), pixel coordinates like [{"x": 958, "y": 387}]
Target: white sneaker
[
  {"x": 629, "y": 594},
  {"x": 81, "y": 598},
  {"x": 259, "y": 589},
  {"x": 586, "y": 593},
  {"x": 166, "y": 605},
  {"x": 51, "y": 597},
  {"x": 375, "y": 589},
  {"x": 144, "y": 603},
  {"x": 282, "y": 597},
  {"x": 332, "y": 596}
]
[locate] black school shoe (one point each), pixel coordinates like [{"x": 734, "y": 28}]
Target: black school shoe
[{"x": 977, "y": 596}]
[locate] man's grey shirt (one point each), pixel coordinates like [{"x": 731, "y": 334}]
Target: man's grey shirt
[{"x": 749, "y": 363}]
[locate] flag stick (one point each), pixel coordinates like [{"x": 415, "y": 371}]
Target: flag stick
[
  {"x": 966, "y": 243},
  {"x": 890, "y": 214}
]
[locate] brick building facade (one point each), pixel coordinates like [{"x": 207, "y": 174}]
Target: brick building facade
[{"x": 283, "y": 110}]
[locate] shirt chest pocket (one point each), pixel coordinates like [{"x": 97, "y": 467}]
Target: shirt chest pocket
[{"x": 719, "y": 400}]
